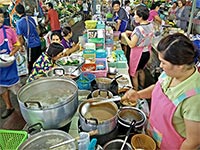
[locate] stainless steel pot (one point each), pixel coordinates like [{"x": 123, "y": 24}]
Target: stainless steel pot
[
  {"x": 45, "y": 139},
  {"x": 127, "y": 114},
  {"x": 51, "y": 101},
  {"x": 102, "y": 117}
]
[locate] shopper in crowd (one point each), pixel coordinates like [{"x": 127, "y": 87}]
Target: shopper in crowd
[
  {"x": 127, "y": 7},
  {"x": 174, "y": 120},
  {"x": 120, "y": 16},
  {"x": 182, "y": 15},
  {"x": 46, "y": 61},
  {"x": 140, "y": 44},
  {"x": 28, "y": 36},
  {"x": 56, "y": 37},
  {"x": 9, "y": 79},
  {"x": 52, "y": 18},
  {"x": 85, "y": 9},
  {"x": 67, "y": 41},
  {"x": 154, "y": 15},
  {"x": 172, "y": 11}
]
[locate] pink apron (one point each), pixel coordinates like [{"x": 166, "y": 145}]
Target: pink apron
[
  {"x": 136, "y": 52},
  {"x": 162, "y": 112}
]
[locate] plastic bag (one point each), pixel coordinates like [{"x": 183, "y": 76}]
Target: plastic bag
[
  {"x": 22, "y": 63},
  {"x": 144, "y": 106}
]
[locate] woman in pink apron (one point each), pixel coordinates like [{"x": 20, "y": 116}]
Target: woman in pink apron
[
  {"x": 8, "y": 75},
  {"x": 174, "y": 121},
  {"x": 140, "y": 44}
]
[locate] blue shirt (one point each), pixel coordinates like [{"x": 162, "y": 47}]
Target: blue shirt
[{"x": 22, "y": 29}]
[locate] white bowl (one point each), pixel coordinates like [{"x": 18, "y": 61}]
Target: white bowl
[{"x": 9, "y": 60}]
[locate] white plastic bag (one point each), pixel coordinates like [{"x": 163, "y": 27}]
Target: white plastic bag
[
  {"x": 22, "y": 63},
  {"x": 144, "y": 106}
]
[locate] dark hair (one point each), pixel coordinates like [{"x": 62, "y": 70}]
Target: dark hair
[
  {"x": 177, "y": 49},
  {"x": 115, "y": 2},
  {"x": 54, "y": 49},
  {"x": 50, "y": 4},
  {"x": 56, "y": 33},
  {"x": 127, "y": 2},
  {"x": 175, "y": 3},
  {"x": 142, "y": 11},
  {"x": 155, "y": 4},
  {"x": 20, "y": 9},
  {"x": 183, "y": 2},
  {"x": 1, "y": 11},
  {"x": 66, "y": 30}
]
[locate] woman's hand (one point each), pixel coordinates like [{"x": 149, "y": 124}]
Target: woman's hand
[{"x": 130, "y": 96}]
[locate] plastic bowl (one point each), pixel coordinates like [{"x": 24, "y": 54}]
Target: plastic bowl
[
  {"x": 142, "y": 141},
  {"x": 9, "y": 60},
  {"x": 84, "y": 81},
  {"x": 88, "y": 67},
  {"x": 90, "y": 24}
]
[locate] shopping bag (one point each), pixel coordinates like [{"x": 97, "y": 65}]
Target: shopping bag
[{"x": 22, "y": 63}]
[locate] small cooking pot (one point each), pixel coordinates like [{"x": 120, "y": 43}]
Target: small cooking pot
[
  {"x": 102, "y": 93},
  {"x": 105, "y": 83},
  {"x": 127, "y": 114},
  {"x": 102, "y": 117}
]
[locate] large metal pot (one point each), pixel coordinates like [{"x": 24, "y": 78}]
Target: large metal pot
[
  {"x": 102, "y": 117},
  {"x": 51, "y": 101},
  {"x": 45, "y": 139}
]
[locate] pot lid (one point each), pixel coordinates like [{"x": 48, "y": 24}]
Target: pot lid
[{"x": 45, "y": 139}]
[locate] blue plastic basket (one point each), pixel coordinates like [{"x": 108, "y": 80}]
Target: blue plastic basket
[{"x": 84, "y": 81}]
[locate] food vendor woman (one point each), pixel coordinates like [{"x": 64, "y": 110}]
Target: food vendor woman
[{"x": 174, "y": 120}]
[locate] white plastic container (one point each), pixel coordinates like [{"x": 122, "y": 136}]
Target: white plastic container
[{"x": 90, "y": 46}]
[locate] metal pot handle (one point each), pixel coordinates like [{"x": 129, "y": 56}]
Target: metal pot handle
[
  {"x": 103, "y": 90},
  {"x": 31, "y": 127},
  {"x": 91, "y": 121},
  {"x": 26, "y": 104},
  {"x": 58, "y": 69}
]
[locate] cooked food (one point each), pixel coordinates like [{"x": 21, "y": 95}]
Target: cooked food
[
  {"x": 128, "y": 103},
  {"x": 68, "y": 62}
]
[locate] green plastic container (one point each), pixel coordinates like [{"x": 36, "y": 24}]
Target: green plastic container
[{"x": 12, "y": 139}]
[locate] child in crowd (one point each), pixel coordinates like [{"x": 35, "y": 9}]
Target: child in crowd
[
  {"x": 46, "y": 61},
  {"x": 67, "y": 42}
]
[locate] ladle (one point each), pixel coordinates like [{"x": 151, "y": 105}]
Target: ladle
[
  {"x": 87, "y": 105},
  {"x": 132, "y": 125}
]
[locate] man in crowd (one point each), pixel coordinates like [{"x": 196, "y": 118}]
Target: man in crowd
[
  {"x": 120, "y": 16},
  {"x": 52, "y": 18},
  {"x": 27, "y": 30}
]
